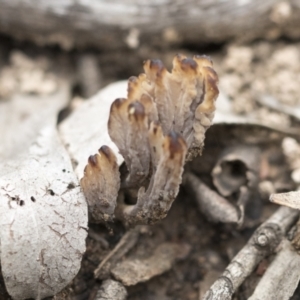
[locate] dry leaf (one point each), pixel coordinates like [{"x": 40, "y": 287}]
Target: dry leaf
[
  {"x": 290, "y": 199},
  {"x": 133, "y": 271},
  {"x": 85, "y": 130},
  {"x": 43, "y": 220},
  {"x": 43, "y": 213}
]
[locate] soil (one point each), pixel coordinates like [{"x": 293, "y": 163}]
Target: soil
[{"x": 246, "y": 72}]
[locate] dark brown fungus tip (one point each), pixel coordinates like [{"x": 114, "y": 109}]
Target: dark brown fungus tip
[
  {"x": 213, "y": 85},
  {"x": 203, "y": 57},
  {"x": 146, "y": 64},
  {"x": 156, "y": 65},
  {"x": 188, "y": 64},
  {"x": 145, "y": 98},
  {"x": 137, "y": 110},
  {"x": 132, "y": 79},
  {"x": 211, "y": 73},
  {"x": 179, "y": 56},
  {"x": 132, "y": 84},
  {"x": 117, "y": 103},
  {"x": 93, "y": 160},
  {"x": 154, "y": 127},
  {"x": 105, "y": 150}
]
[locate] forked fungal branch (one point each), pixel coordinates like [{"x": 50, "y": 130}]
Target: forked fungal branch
[{"x": 159, "y": 126}]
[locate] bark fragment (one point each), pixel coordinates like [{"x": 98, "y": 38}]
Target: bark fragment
[{"x": 111, "y": 289}]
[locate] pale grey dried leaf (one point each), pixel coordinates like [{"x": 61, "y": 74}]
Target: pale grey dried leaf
[
  {"x": 290, "y": 199},
  {"x": 43, "y": 220},
  {"x": 85, "y": 130},
  {"x": 22, "y": 117},
  {"x": 43, "y": 213}
]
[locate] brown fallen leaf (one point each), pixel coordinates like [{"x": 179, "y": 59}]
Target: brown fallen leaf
[{"x": 133, "y": 271}]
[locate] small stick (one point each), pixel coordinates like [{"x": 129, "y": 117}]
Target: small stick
[
  {"x": 273, "y": 103},
  {"x": 262, "y": 243},
  {"x": 126, "y": 243}
]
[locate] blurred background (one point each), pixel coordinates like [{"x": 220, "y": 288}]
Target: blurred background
[{"x": 96, "y": 42}]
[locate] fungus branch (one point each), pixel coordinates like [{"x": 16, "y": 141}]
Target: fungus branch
[
  {"x": 101, "y": 183},
  {"x": 160, "y": 124}
]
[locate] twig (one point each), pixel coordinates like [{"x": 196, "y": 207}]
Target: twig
[
  {"x": 273, "y": 103},
  {"x": 128, "y": 240},
  {"x": 281, "y": 278},
  {"x": 262, "y": 243}
]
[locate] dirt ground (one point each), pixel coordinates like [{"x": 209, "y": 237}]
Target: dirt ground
[{"x": 199, "y": 250}]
